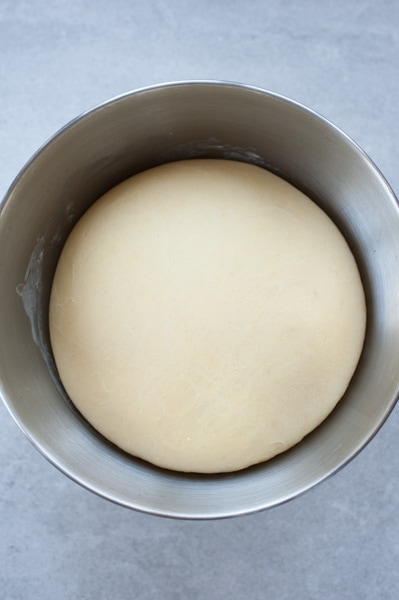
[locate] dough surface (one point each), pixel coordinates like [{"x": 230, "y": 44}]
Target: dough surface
[{"x": 205, "y": 315}]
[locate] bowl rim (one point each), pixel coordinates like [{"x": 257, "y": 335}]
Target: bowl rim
[{"x": 74, "y": 476}]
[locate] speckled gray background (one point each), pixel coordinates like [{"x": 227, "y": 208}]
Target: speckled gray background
[{"x": 340, "y": 541}]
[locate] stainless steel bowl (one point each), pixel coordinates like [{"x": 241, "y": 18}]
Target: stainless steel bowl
[{"x": 140, "y": 130}]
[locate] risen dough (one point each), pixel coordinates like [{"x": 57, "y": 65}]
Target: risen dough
[{"x": 206, "y": 315}]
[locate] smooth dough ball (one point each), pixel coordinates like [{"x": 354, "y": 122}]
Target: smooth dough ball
[{"x": 205, "y": 315}]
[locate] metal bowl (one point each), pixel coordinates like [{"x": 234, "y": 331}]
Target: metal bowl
[{"x": 140, "y": 130}]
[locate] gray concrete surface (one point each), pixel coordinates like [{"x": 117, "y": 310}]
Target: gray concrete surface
[{"x": 340, "y": 541}]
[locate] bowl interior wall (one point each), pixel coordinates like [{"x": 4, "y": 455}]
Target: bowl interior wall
[{"x": 141, "y": 130}]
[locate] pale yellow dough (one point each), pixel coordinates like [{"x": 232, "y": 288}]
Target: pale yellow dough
[{"x": 206, "y": 315}]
